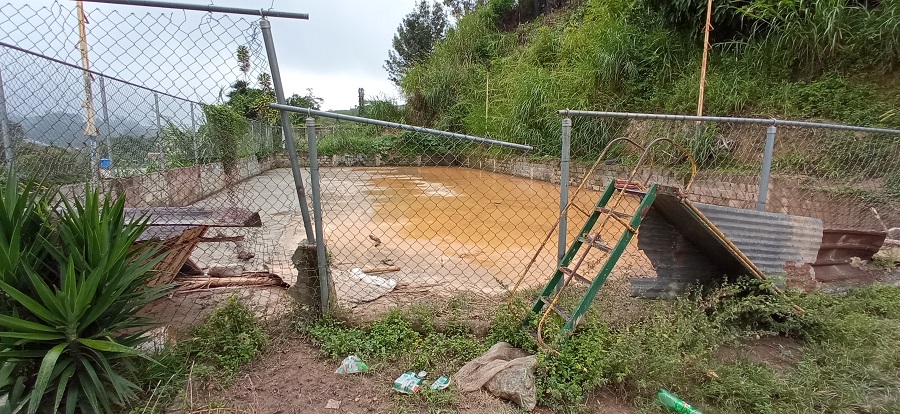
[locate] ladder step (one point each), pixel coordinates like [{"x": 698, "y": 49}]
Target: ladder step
[
  {"x": 630, "y": 188},
  {"x": 618, "y": 214},
  {"x": 597, "y": 244},
  {"x": 568, "y": 272},
  {"x": 559, "y": 311}
]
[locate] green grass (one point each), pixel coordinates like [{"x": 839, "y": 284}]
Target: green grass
[
  {"x": 845, "y": 359},
  {"x": 789, "y": 60},
  {"x": 215, "y": 352}
]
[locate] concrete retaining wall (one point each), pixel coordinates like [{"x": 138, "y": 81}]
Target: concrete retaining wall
[{"x": 176, "y": 187}]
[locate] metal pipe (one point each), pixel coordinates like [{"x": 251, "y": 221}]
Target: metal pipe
[
  {"x": 205, "y": 7},
  {"x": 91, "y": 71},
  {"x": 321, "y": 258},
  {"x": 266, "y": 28},
  {"x": 564, "y": 185},
  {"x": 106, "y": 131},
  {"x": 311, "y": 112},
  {"x": 762, "y": 121},
  {"x": 159, "y": 135},
  {"x": 766, "y": 168},
  {"x": 194, "y": 136},
  {"x": 8, "y": 152}
]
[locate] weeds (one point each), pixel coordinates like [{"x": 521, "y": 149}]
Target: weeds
[{"x": 230, "y": 338}]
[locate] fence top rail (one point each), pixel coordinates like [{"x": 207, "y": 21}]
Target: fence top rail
[
  {"x": 93, "y": 72},
  {"x": 760, "y": 121},
  {"x": 333, "y": 115},
  {"x": 205, "y": 7}
]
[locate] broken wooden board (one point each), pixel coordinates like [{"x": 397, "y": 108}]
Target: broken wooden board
[
  {"x": 248, "y": 279},
  {"x": 196, "y": 216}
]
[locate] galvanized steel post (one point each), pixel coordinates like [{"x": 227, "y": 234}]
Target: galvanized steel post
[
  {"x": 194, "y": 136},
  {"x": 321, "y": 259},
  {"x": 766, "y": 168},
  {"x": 106, "y": 131},
  {"x": 4, "y": 125},
  {"x": 266, "y": 28},
  {"x": 564, "y": 184},
  {"x": 159, "y": 134}
]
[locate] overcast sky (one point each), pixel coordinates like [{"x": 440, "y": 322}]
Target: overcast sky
[{"x": 340, "y": 49}]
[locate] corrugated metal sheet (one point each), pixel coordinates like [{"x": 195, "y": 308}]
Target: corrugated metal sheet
[
  {"x": 839, "y": 247},
  {"x": 684, "y": 250},
  {"x": 770, "y": 240},
  {"x": 676, "y": 261}
]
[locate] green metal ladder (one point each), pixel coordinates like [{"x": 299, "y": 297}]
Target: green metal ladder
[{"x": 564, "y": 274}]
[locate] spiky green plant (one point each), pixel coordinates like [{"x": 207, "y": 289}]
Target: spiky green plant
[{"x": 70, "y": 291}]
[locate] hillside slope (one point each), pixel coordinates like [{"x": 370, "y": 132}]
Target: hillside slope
[{"x": 498, "y": 74}]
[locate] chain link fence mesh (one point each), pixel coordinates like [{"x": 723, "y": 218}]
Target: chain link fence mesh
[
  {"x": 407, "y": 216},
  {"x": 157, "y": 89}
]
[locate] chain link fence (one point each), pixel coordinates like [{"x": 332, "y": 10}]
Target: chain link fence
[
  {"x": 408, "y": 216},
  {"x": 168, "y": 116}
]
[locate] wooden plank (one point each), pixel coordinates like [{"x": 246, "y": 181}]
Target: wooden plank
[
  {"x": 385, "y": 269},
  {"x": 195, "y": 216}
]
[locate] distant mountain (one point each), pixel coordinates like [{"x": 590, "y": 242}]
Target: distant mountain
[{"x": 67, "y": 130}]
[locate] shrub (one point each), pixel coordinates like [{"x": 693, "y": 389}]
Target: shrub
[
  {"x": 72, "y": 292},
  {"x": 230, "y": 338}
]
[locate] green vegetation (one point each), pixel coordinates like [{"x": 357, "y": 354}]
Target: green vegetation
[
  {"x": 72, "y": 286},
  {"x": 215, "y": 351},
  {"x": 393, "y": 339},
  {"x": 731, "y": 349},
  {"x": 823, "y": 59}
]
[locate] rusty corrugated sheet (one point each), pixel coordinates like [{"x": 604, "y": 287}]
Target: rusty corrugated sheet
[
  {"x": 770, "y": 240},
  {"x": 837, "y": 250}
]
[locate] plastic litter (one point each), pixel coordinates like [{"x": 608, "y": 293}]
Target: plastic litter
[
  {"x": 675, "y": 404},
  {"x": 440, "y": 383},
  {"x": 408, "y": 383},
  {"x": 352, "y": 365},
  {"x": 357, "y": 273}
]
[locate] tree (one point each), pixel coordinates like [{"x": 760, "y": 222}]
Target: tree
[
  {"x": 306, "y": 101},
  {"x": 459, "y": 8},
  {"x": 416, "y": 37},
  {"x": 243, "y": 58},
  {"x": 265, "y": 82}
]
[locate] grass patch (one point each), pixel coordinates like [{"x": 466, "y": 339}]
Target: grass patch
[{"x": 230, "y": 338}]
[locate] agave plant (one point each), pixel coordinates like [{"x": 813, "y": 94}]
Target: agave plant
[{"x": 71, "y": 287}]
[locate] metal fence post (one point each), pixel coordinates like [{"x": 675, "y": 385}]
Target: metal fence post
[
  {"x": 564, "y": 184},
  {"x": 106, "y": 131},
  {"x": 766, "y": 168},
  {"x": 194, "y": 136},
  {"x": 159, "y": 134},
  {"x": 4, "y": 126},
  {"x": 322, "y": 260},
  {"x": 266, "y": 28}
]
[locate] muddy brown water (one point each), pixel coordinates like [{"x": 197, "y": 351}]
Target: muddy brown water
[{"x": 449, "y": 229}]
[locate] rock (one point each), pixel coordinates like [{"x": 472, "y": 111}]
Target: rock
[
  {"x": 245, "y": 255},
  {"x": 894, "y": 233},
  {"x": 333, "y": 405},
  {"x": 505, "y": 371},
  {"x": 516, "y": 383}
]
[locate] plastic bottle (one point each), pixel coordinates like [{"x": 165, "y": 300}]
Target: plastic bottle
[{"x": 675, "y": 404}]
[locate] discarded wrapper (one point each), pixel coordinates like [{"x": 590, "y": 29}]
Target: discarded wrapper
[
  {"x": 440, "y": 383},
  {"x": 352, "y": 365},
  {"x": 408, "y": 383}
]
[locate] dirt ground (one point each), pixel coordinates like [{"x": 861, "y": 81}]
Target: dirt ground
[{"x": 295, "y": 379}]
